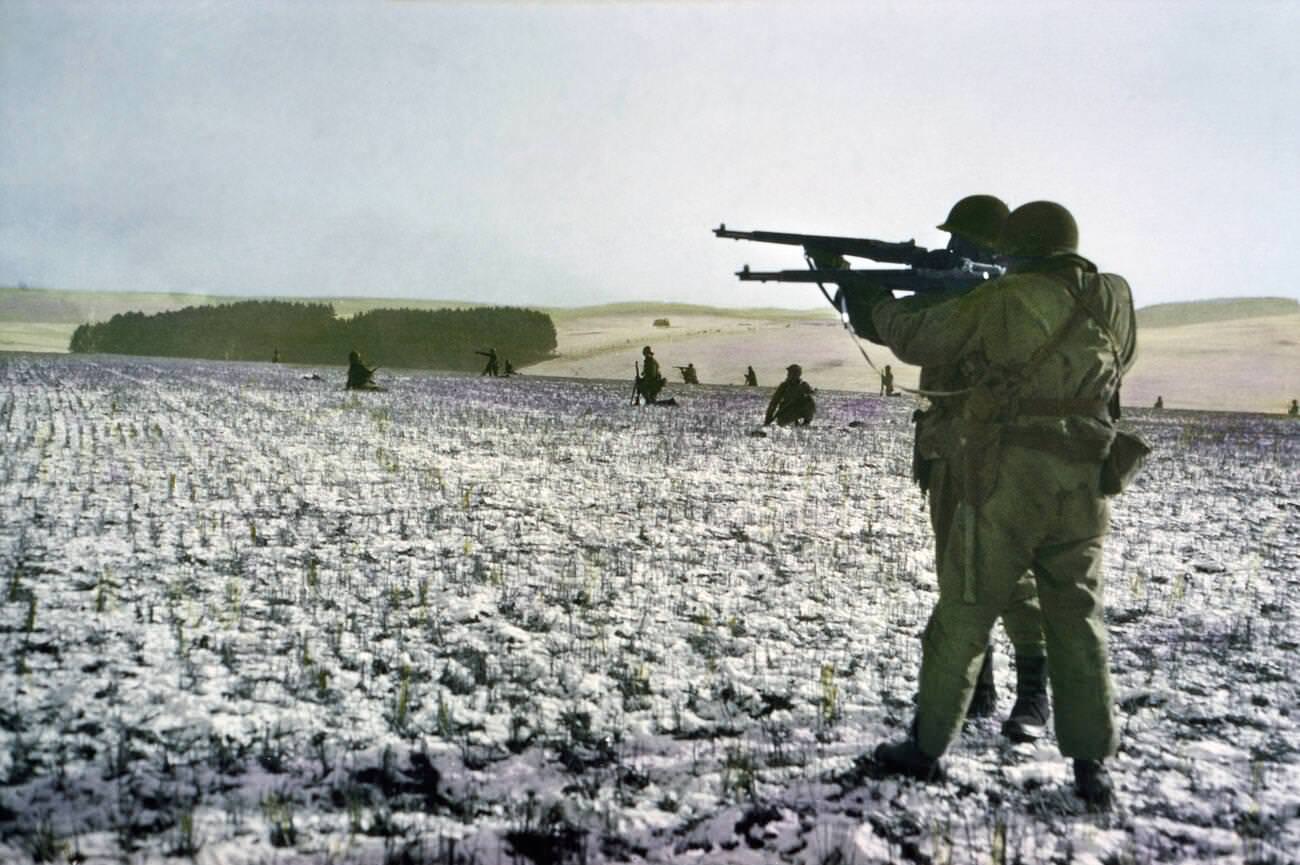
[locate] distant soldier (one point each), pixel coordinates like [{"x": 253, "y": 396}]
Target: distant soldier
[
  {"x": 887, "y": 382},
  {"x": 792, "y": 401},
  {"x": 1160, "y": 402},
  {"x": 689, "y": 376},
  {"x": 510, "y": 368},
  {"x": 275, "y": 355},
  {"x": 492, "y": 368},
  {"x": 649, "y": 382},
  {"x": 360, "y": 376},
  {"x": 1294, "y": 410},
  {"x": 751, "y": 378}
]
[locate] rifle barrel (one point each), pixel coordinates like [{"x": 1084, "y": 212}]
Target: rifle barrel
[
  {"x": 906, "y": 252},
  {"x": 896, "y": 279}
]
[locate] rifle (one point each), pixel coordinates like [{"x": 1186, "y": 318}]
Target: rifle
[
  {"x": 636, "y": 384},
  {"x": 927, "y": 270},
  {"x": 883, "y": 251},
  {"x": 916, "y": 280}
]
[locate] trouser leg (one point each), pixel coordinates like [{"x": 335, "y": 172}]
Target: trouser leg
[
  {"x": 984, "y": 701},
  {"x": 957, "y": 635},
  {"x": 1070, "y": 591},
  {"x": 1023, "y": 619}
]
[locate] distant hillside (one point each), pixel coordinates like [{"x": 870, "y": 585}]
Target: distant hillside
[
  {"x": 1206, "y": 311},
  {"x": 54, "y": 306},
  {"x": 651, "y": 310}
]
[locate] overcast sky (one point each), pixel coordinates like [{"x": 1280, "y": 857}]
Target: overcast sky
[{"x": 575, "y": 153}]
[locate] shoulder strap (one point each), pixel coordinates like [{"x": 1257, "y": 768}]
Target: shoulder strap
[{"x": 1076, "y": 315}]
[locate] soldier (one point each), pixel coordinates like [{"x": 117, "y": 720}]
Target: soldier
[
  {"x": 510, "y": 368},
  {"x": 360, "y": 376},
  {"x": 275, "y": 355},
  {"x": 751, "y": 378},
  {"x": 650, "y": 382},
  {"x": 689, "y": 376},
  {"x": 887, "y": 382},
  {"x": 1160, "y": 402},
  {"x": 492, "y": 368},
  {"x": 1294, "y": 410},
  {"x": 1044, "y": 349},
  {"x": 792, "y": 401},
  {"x": 974, "y": 224}
]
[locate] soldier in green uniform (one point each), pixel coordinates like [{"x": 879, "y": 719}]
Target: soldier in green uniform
[
  {"x": 1294, "y": 410},
  {"x": 360, "y": 376},
  {"x": 650, "y": 382},
  {"x": 1043, "y": 349},
  {"x": 751, "y": 377},
  {"x": 689, "y": 375},
  {"x": 887, "y": 382},
  {"x": 974, "y": 224},
  {"x": 492, "y": 367},
  {"x": 1160, "y": 402},
  {"x": 792, "y": 402}
]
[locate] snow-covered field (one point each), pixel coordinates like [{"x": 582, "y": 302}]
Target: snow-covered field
[{"x": 248, "y": 617}]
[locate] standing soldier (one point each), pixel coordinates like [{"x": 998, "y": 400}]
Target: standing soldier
[
  {"x": 492, "y": 368},
  {"x": 275, "y": 355},
  {"x": 1044, "y": 349},
  {"x": 792, "y": 401},
  {"x": 751, "y": 378},
  {"x": 973, "y": 224},
  {"x": 887, "y": 382},
  {"x": 649, "y": 382}
]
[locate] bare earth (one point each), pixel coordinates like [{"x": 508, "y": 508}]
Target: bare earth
[{"x": 1243, "y": 365}]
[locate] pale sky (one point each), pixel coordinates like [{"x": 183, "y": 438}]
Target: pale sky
[{"x": 580, "y": 152}]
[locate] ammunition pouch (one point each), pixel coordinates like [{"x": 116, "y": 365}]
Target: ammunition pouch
[{"x": 1127, "y": 454}]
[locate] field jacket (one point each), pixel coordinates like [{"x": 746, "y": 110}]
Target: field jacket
[{"x": 990, "y": 334}]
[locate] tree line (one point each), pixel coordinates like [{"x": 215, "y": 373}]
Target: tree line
[{"x": 311, "y": 333}]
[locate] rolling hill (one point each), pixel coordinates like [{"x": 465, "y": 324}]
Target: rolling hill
[{"x": 1240, "y": 354}]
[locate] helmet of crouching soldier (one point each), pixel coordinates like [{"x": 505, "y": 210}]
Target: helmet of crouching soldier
[
  {"x": 1039, "y": 228},
  {"x": 977, "y": 218}
]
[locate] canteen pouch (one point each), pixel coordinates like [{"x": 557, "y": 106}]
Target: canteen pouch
[{"x": 1127, "y": 454}]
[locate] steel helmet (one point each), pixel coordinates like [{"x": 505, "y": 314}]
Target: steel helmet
[
  {"x": 977, "y": 218},
  {"x": 1039, "y": 228}
]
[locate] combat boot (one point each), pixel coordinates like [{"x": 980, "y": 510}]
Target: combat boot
[
  {"x": 984, "y": 702},
  {"x": 907, "y": 758},
  {"x": 1093, "y": 785},
  {"x": 1028, "y": 719}
]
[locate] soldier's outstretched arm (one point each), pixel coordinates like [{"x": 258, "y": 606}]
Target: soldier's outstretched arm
[{"x": 927, "y": 335}]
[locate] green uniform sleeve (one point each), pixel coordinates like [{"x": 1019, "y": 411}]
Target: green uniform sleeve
[
  {"x": 927, "y": 335},
  {"x": 773, "y": 404}
]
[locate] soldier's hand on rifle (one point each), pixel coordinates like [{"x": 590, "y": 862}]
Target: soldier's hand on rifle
[
  {"x": 941, "y": 259},
  {"x": 824, "y": 260}
]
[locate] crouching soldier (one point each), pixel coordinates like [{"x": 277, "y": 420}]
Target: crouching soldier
[
  {"x": 792, "y": 402},
  {"x": 360, "y": 376}
]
